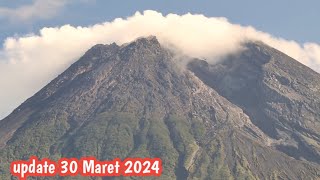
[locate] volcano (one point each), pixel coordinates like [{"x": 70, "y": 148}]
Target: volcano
[{"x": 252, "y": 115}]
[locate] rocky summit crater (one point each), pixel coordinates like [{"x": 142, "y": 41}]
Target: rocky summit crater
[{"x": 253, "y": 115}]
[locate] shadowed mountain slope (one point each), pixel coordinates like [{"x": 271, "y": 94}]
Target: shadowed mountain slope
[{"x": 280, "y": 95}]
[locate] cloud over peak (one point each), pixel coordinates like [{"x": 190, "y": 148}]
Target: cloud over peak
[{"x": 28, "y": 63}]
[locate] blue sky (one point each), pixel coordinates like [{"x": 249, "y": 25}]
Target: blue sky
[{"x": 290, "y": 19}]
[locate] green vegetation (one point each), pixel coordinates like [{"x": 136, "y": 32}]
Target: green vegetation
[{"x": 116, "y": 134}]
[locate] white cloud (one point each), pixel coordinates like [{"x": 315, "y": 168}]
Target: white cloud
[
  {"x": 39, "y": 9},
  {"x": 28, "y": 63}
]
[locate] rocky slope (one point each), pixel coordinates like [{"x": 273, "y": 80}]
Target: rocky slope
[
  {"x": 252, "y": 116},
  {"x": 280, "y": 95}
]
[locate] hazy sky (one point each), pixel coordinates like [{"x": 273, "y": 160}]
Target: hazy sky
[{"x": 37, "y": 43}]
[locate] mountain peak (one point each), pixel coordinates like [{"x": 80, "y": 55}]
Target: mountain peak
[{"x": 149, "y": 41}]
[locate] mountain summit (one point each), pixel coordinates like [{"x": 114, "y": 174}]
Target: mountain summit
[{"x": 254, "y": 115}]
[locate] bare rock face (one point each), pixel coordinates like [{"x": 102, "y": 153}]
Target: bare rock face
[
  {"x": 252, "y": 116},
  {"x": 280, "y": 95}
]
